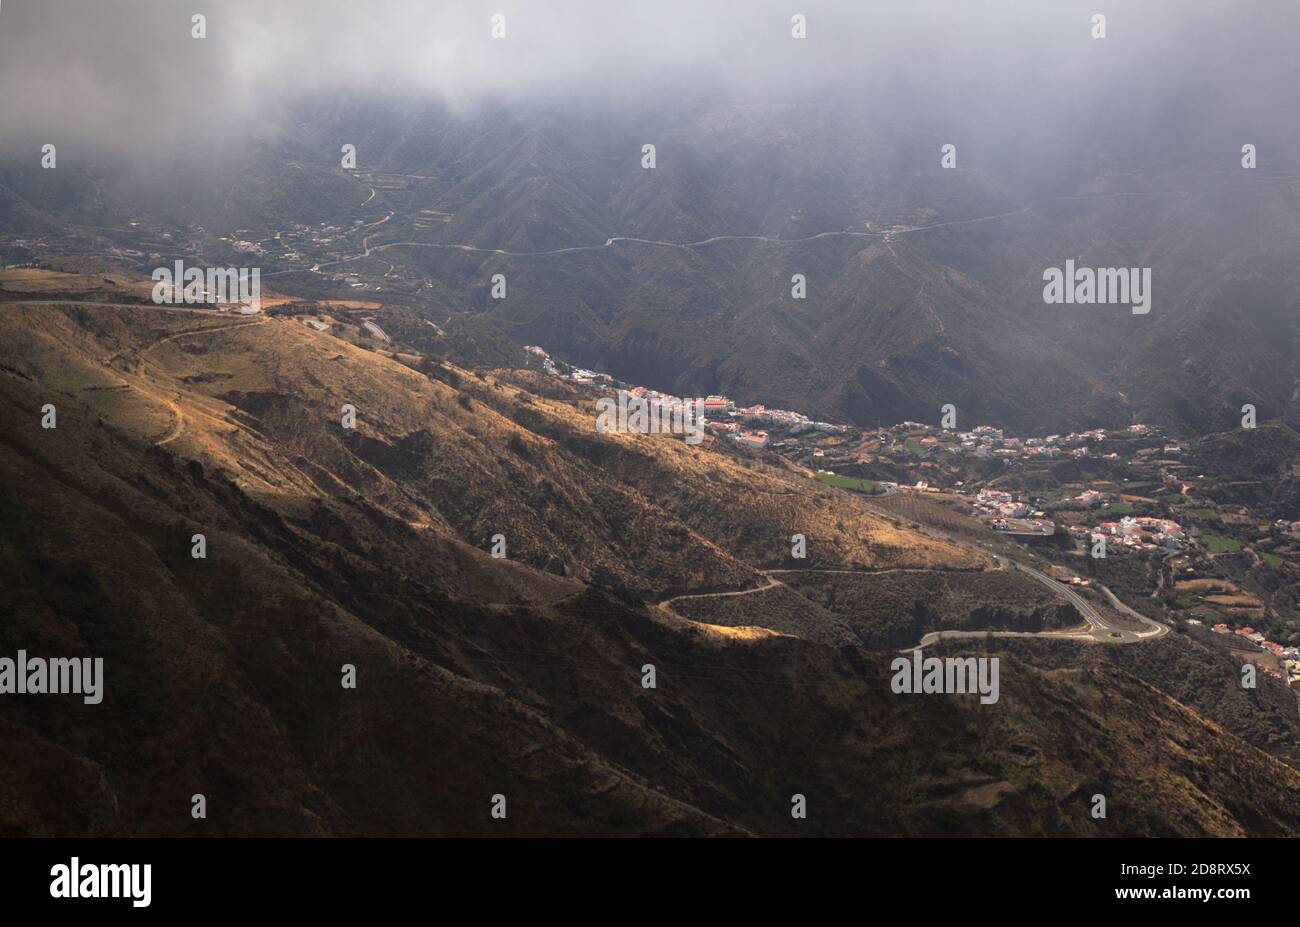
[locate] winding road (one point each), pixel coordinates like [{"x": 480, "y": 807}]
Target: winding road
[
  {"x": 685, "y": 245},
  {"x": 1096, "y": 629},
  {"x": 885, "y": 236}
]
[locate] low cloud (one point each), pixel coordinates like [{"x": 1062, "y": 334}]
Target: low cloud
[{"x": 128, "y": 74}]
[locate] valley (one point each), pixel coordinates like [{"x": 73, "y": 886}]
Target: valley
[
  {"x": 425, "y": 422},
  {"x": 670, "y": 278},
  {"x": 371, "y": 546}
]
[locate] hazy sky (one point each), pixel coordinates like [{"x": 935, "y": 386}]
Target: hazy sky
[{"x": 128, "y": 72}]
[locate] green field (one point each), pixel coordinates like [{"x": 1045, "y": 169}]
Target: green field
[
  {"x": 1271, "y": 559},
  {"x": 849, "y": 482},
  {"x": 1118, "y": 508},
  {"x": 1220, "y": 545},
  {"x": 916, "y": 447}
]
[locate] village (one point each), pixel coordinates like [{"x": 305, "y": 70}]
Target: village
[
  {"x": 726, "y": 418},
  {"x": 1126, "y": 501},
  {"x": 1288, "y": 656}
]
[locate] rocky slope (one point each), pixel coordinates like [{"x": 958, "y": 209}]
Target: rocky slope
[{"x": 475, "y": 675}]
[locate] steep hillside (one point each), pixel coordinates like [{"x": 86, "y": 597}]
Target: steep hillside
[
  {"x": 521, "y": 676},
  {"x": 924, "y": 285},
  {"x": 1257, "y": 464}
]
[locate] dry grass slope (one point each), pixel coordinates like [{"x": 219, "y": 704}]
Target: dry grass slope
[{"x": 475, "y": 675}]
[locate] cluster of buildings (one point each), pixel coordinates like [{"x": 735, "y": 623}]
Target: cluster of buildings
[
  {"x": 726, "y": 418},
  {"x": 1290, "y": 656},
  {"x": 986, "y": 441},
  {"x": 794, "y": 422},
  {"x": 733, "y": 430},
  {"x": 754, "y": 439},
  {"x": 1143, "y": 532},
  {"x": 722, "y": 415},
  {"x": 547, "y": 364},
  {"x": 919, "y": 486},
  {"x": 664, "y": 401},
  {"x": 1009, "y": 514},
  {"x": 999, "y": 504},
  {"x": 247, "y": 247},
  {"x": 591, "y": 377},
  {"x": 312, "y": 248}
]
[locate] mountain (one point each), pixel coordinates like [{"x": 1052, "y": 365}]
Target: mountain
[
  {"x": 924, "y": 285},
  {"x": 522, "y": 676}
]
